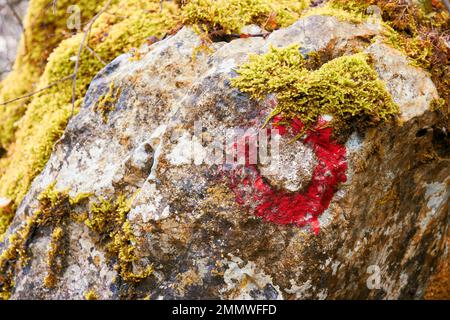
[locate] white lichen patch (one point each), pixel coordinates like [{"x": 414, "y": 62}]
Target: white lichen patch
[
  {"x": 188, "y": 150},
  {"x": 244, "y": 281},
  {"x": 302, "y": 291},
  {"x": 140, "y": 157},
  {"x": 437, "y": 195},
  {"x": 410, "y": 87},
  {"x": 293, "y": 167},
  {"x": 149, "y": 204}
]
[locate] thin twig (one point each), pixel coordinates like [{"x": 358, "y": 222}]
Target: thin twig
[
  {"x": 37, "y": 91},
  {"x": 80, "y": 49},
  {"x": 15, "y": 14},
  {"x": 96, "y": 55}
]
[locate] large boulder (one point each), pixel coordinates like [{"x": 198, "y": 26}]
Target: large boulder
[{"x": 380, "y": 237}]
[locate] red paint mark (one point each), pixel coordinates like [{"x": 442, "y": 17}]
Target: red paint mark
[{"x": 300, "y": 208}]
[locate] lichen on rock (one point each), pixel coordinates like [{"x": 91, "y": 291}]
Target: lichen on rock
[
  {"x": 120, "y": 202},
  {"x": 124, "y": 26},
  {"x": 109, "y": 221},
  {"x": 54, "y": 210},
  {"x": 107, "y": 102}
]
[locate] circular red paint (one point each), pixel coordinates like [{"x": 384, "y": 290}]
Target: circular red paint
[{"x": 299, "y": 208}]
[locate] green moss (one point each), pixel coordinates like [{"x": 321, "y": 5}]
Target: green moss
[
  {"x": 44, "y": 30},
  {"x": 347, "y": 87},
  {"x": 107, "y": 102},
  {"x": 124, "y": 26},
  {"x": 91, "y": 295},
  {"x": 332, "y": 10},
  {"x": 54, "y": 254},
  {"x": 418, "y": 29},
  {"x": 438, "y": 105},
  {"x": 230, "y": 16},
  {"x": 16, "y": 252},
  {"x": 54, "y": 211},
  {"x": 405, "y": 17},
  {"x": 109, "y": 221},
  {"x": 6, "y": 216}
]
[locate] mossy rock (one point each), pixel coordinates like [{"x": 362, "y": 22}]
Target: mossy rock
[
  {"x": 347, "y": 88},
  {"x": 30, "y": 127}
]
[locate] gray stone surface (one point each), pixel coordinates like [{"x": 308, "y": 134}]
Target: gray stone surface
[{"x": 187, "y": 223}]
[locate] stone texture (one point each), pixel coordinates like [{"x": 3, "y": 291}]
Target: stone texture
[
  {"x": 294, "y": 168},
  {"x": 392, "y": 213},
  {"x": 411, "y": 87}
]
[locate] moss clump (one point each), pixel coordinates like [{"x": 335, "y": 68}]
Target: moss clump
[
  {"x": 124, "y": 26},
  {"x": 15, "y": 252},
  {"x": 419, "y": 29},
  {"x": 91, "y": 295},
  {"x": 54, "y": 210},
  {"x": 229, "y": 16},
  {"x": 347, "y": 87},
  {"x": 342, "y": 15},
  {"x": 6, "y": 216},
  {"x": 109, "y": 221},
  {"x": 44, "y": 30},
  {"x": 107, "y": 102},
  {"x": 54, "y": 257}
]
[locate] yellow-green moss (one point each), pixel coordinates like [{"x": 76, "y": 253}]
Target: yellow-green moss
[
  {"x": 91, "y": 295},
  {"x": 342, "y": 15},
  {"x": 6, "y": 216},
  {"x": 15, "y": 252},
  {"x": 44, "y": 30},
  {"x": 347, "y": 87},
  {"x": 124, "y": 26},
  {"x": 418, "y": 29},
  {"x": 409, "y": 27},
  {"x": 109, "y": 221},
  {"x": 230, "y": 16},
  {"x": 403, "y": 16},
  {"x": 54, "y": 209},
  {"x": 54, "y": 254},
  {"x": 107, "y": 102}
]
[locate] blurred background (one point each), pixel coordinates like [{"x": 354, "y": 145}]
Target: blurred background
[{"x": 11, "y": 16}]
